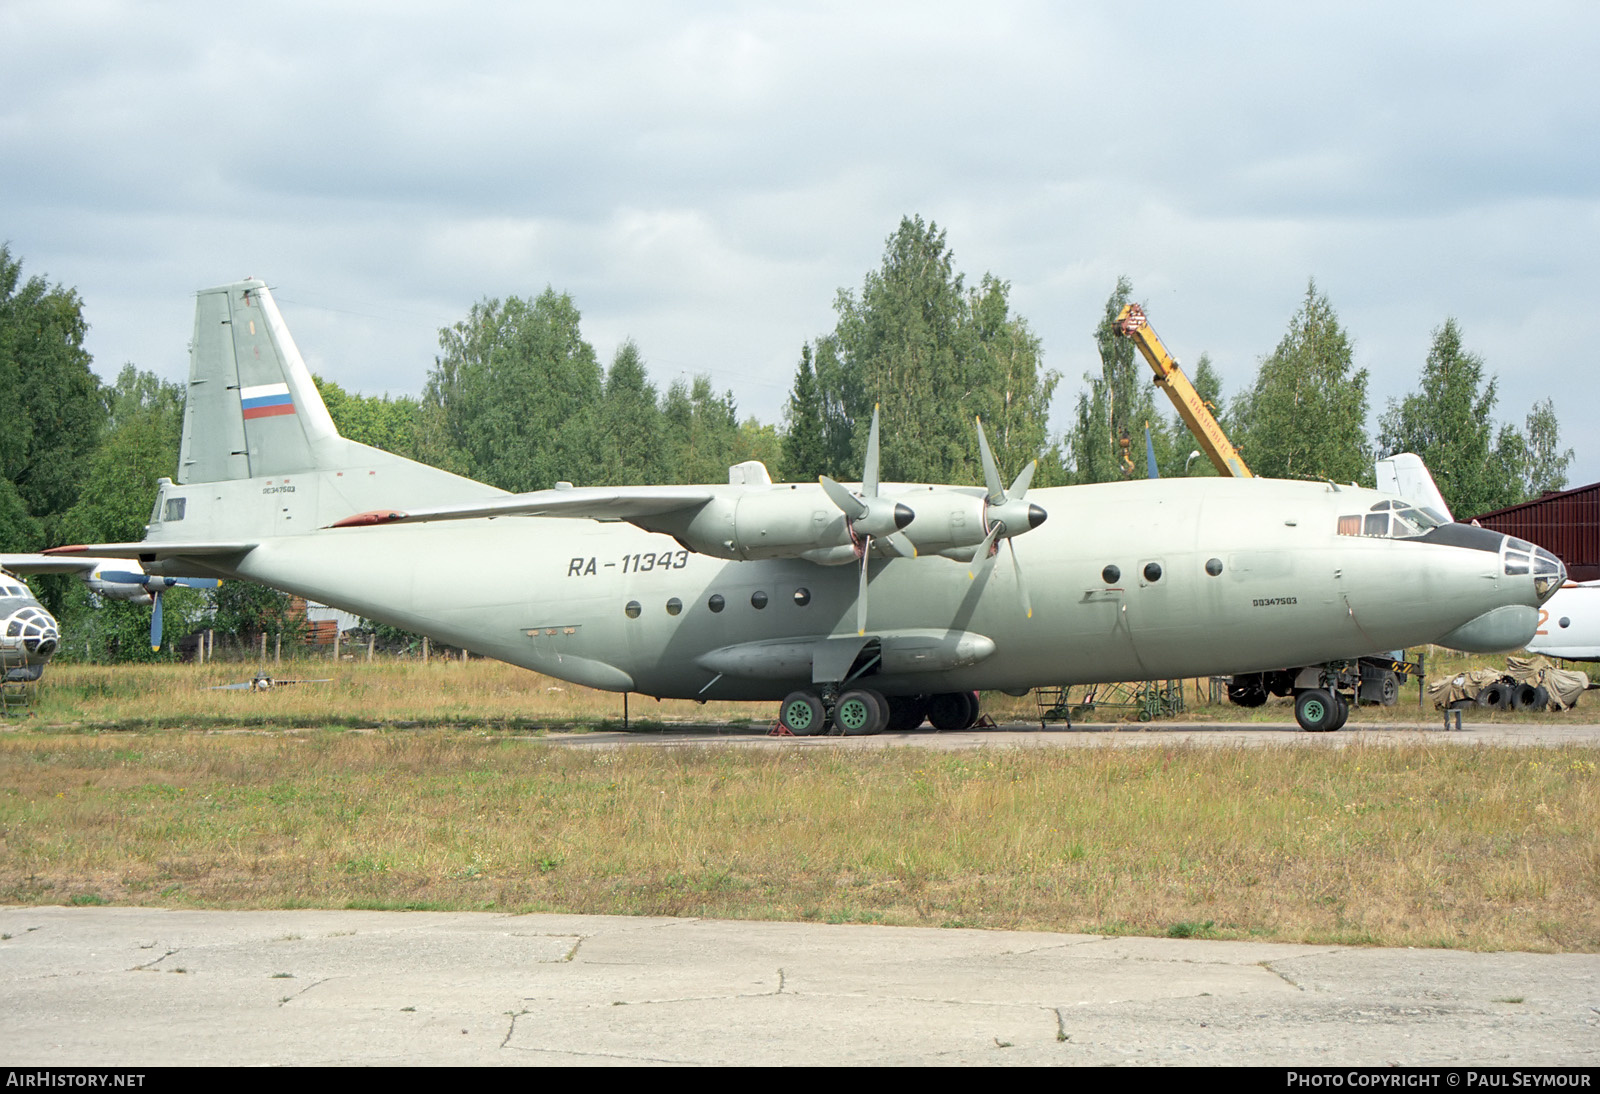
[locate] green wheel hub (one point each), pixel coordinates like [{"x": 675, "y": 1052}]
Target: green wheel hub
[
  {"x": 799, "y": 715},
  {"x": 853, "y": 714}
]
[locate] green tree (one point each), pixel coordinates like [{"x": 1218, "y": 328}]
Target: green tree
[
  {"x": 756, "y": 441},
  {"x": 52, "y": 414},
  {"x": 145, "y": 420},
  {"x": 1449, "y": 422},
  {"x": 1107, "y": 435},
  {"x": 1527, "y": 463},
  {"x": 514, "y": 394},
  {"x": 630, "y": 424},
  {"x": 931, "y": 355},
  {"x": 391, "y": 424},
  {"x": 1305, "y": 416},
  {"x": 700, "y": 431},
  {"x": 1179, "y": 458},
  {"x": 805, "y": 439}
]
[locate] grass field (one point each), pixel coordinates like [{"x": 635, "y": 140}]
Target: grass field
[
  {"x": 233, "y": 800},
  {"x": 449, "y": 692}
]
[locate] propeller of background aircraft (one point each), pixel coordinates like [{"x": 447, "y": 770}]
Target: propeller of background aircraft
[
  {"x": 155, "y": 586},
  {"x": 1007, "y": 514},
  {"x": 871, "y": 516}
]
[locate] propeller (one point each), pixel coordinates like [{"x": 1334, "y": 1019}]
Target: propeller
[
  {"x": 155, "y": 586},
  {"x": 1007, "y": 514},
  {"x": 870, "y": 516}
]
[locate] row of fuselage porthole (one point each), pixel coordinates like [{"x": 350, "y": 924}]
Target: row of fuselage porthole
[
  {"x": 802, "y": 596},
  {"x": 1152, "y": 571},
  {"x": 716, "y": 602}
]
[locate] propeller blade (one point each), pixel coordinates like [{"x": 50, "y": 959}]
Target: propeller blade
[
  {"x": 124, "y": 577},
  {"x": 1022, "y": 586},
  {"x": 984, "y": 558},
  {"x": 1019, "y": 489},
  {"x": 1150, "y": 454},
  {"x": 869, "y": 473},
  {"x": 991, "y": 473},
  {"x": 852, "y": 507},
  {"x": 195, "y": 582},
  {"x": 155, "y": 623},
  {"x": 861, "y": 591},
  {"x": 898, "y": 545}
]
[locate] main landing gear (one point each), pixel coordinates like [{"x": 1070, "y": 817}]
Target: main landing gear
[
  {"x": 860, "y": 712},
  {"x": 1319, "y": 710}
]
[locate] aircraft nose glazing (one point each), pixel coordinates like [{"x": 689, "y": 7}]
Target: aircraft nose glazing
[
  {"x": 33, "y": 630},
  {"x": 1548, "y": 574}
]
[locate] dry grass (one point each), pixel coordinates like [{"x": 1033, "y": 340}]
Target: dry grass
[
  {"x": 480, "y": 692},
  {"x": 1480, "y": 848}
]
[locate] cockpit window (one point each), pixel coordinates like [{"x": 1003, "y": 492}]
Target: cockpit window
[
  {"x": 175, "y": 507},
  {"x": 1391, "y": 520}
]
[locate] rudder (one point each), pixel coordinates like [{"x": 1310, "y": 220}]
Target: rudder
[{"x": 252, "y": 409}]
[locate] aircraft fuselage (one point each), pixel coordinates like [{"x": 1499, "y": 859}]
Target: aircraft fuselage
[{"x": 612, "y": 606}]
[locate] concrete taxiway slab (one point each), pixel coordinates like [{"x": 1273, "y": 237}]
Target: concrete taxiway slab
[{"x": 131, "y": 986}]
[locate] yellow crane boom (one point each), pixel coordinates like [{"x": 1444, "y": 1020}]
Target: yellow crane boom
[{"x": 1131, "y": 323}]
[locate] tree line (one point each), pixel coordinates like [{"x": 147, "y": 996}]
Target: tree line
[{"x": 518, "y": 398}]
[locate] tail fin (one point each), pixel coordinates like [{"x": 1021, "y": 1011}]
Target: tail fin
[
  {"x": 1407, "y": 476},
  {"x": 253, "y": 414},
  {"x": 253, "y": 409}
]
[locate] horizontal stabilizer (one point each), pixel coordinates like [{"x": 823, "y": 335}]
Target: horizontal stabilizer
[
  {"x": 150, "y": 550},
  {"x": 24, "y": 565}
]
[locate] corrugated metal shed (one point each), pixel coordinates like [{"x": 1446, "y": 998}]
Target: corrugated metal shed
[{"x": 1566, "y": 523}]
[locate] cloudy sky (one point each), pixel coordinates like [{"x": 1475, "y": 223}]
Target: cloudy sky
[{"x": 704, "y": 177}]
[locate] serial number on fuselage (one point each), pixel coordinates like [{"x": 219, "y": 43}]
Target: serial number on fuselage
[
  {"x": 629, "y": 564},
  {"x": 1272, "y": 601},
  {"x": 277, "y": 489}
]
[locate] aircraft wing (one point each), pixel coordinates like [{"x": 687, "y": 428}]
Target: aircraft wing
[{"x": 592, "y": 503}]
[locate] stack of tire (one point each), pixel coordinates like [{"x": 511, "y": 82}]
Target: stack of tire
[{"x": 1507, "y": 694}]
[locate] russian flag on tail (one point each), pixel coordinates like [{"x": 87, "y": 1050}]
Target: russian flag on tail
[{"x": 266, "y": 401}]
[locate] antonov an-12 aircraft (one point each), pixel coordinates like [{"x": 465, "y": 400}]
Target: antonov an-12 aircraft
[{"x": 858, "y": 606}]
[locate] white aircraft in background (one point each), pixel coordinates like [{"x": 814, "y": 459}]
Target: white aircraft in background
[
  {"x": 112, "y": 578},
  {"x": 1569, "y": 623},
  {"x": 29, "y": 636}
]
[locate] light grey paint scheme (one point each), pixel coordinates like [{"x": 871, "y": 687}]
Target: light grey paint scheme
[{"x": 550, "y": 592}]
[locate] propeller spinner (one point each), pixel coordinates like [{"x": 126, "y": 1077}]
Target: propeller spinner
[{"x": 1006, "y": 514}]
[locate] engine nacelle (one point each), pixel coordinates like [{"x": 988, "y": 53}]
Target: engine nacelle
[
  {"x": 784, "y": 522},
  {"x": 801, "y": 521},
  {"x": 949, "y": 522}
]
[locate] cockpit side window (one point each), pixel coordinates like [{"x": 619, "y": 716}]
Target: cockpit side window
[
  {"x": 175, "y": 507},
  {"x": 1391, "y": 520}
]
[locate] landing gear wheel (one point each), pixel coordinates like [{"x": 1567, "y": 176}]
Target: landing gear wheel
[
  {"x": 907, "y": 712},
  {"x": 1315, "y": 710},
  {"x": 803, "y": 714},
  {"x": 860, "y": 713},
  {"x": 1247, "y": 691},
  {"x": 953, "y": 710},
  {"x": 1341, "y": 712}
]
